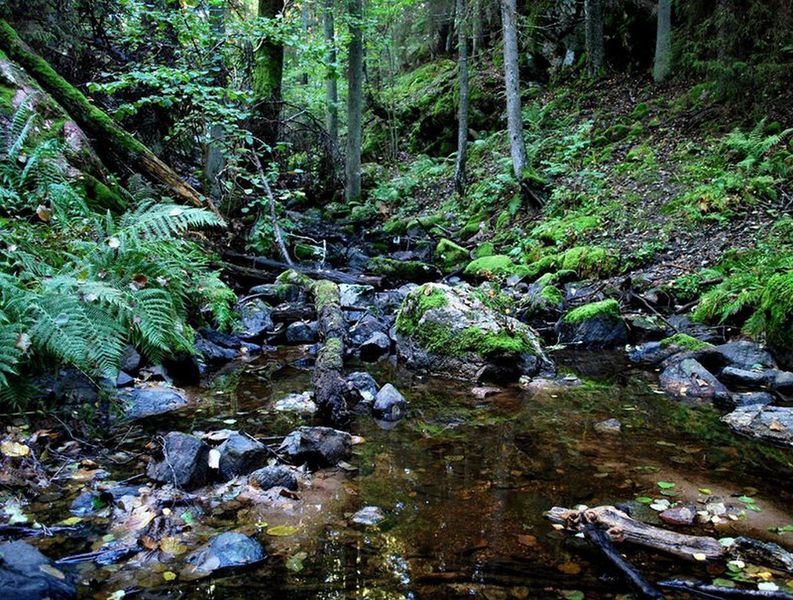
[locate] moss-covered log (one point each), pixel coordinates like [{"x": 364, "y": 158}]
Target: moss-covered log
[
  {"x": 113, "y": 141},
  {"x": 330, "y": 387}
]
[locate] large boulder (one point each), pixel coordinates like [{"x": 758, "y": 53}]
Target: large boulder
[
  {"x": 184, "y": 462},
  {"x": 687, "y": 378},
  {"x": 449, "y": 331},
  {"x": 26, "y": 574},
  {"x": 390, "y": 404},
  {"x": 743, "y": 354},
  {"x": 768, "y": 423},
  {"x": 239, "y": 455},
  {"x": 141, "y": 402},
  {"x": 595, "y": 325},
  {"x": 317, "y": 446},
  {"x": 226, "y": 551}
]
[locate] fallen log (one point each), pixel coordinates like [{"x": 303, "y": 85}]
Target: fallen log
[
  {"x": 106, "y": 134},
  {"x": 622, "y": 528},
  {"x": 601, "y": 540},
  {"x": 330, "y": 387},
  {"x": 715, "y": 592},
  {"x": 272, "y": 268}
]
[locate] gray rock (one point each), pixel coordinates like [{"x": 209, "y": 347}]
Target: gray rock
[
  {"x": 365, "y": 328},
  {"x": 213, "y": 353},
  {"x": 130, "y": 360},
  {"x": 782, "y": 383},
  {"x": 379, "y": 344},
  {"x": 277, "y": 476},
  {"x": 652, "y": 353},
  {"x": 356, "y": 295},
  {"x": 493, "y": 344},
  {"x": 369, "y": 516},
  {"x": 317, "y": 446},
  {"x": 239, "y": 455},
  {"x": 388, "y": 302},
  {"x": 741, "y": 355},
  {"x": 26, "y": 574},
  {"x": 389, "y": 404},
  {"x": 301, "y": 332},
  {"x": 301, "y": 404},
  {"x": 749, "y": 398},
  {"x": 687, "y": 378},
  {"x": 601, "y": 331},
  {"x": 746, "y": 378},
  {"x": 224, "y": 340},
  {"x": 227, "y": 550},
  {"x": 276, "y": 293},
  {"x": 643, "y": 327},
  {"x": 255, "y": 320},
  {"x": 184, "y": 462},
  {"x": 608, "y": 427},
  {"x": 768, "y": 423},
  {"x": 364, "y": 385},
  {"x": 124, "y": 380},
  {"x": 143, "y": 402},
  {"x": 93, "y": 501},
  {"x": 679, "y": 515}
]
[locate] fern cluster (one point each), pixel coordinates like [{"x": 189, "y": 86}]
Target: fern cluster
[{"x": 76, "y": 286}]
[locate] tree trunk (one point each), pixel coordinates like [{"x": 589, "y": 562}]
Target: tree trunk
[
  {"x": 268, "y": 76},
  {"x": 663, "y": 41},
  {"x": 462, "y": 114},
  {"x": 330, "y": 387},
  {"x": 331, "y": 85},
  {"x": 594, "y": 36},
  {"x": 520, "y": 160},
  {"x": 352, "y": 189},
  {"x": 478, "y": 29},
  {"x": 113, "y": 141},
  {"x": 305, "y": 21},
  {"x": 214, "y": 161}
]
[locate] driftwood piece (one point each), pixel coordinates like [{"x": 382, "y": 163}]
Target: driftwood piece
[
  {"x": 601, "y": 540},
  {"x": 330, "y": 387},
  {"x": 267, "y": 269},
  {"x": 622, "y": 528},
  {"x": 125, "y": 149},
  {"x": 715, "y": 592}
]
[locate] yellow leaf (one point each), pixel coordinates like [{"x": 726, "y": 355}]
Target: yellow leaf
[
  {"x": 71, "y": 521},
  {"x": 169, "y": 576},
  {"x": 171, "y": 545},
  {"x": 282, "y": 531},
  {"x": 14, "y": 449}
]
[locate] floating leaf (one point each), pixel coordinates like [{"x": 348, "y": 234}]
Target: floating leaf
[
  {"x": 295, "y": 562},
  {"x": 169, "y": 576},
  {"x": 570, "y": 568},
  {"x": 746, "y": 499},
  {"x": 699, "y": 556},
  {"x": 644, "y": 500},
  {"x": 666, "y": 485},
  {"x": 71, "y": 521},
  {"x": 282, "y": 531},
  {"x": 171, "y": 545}
]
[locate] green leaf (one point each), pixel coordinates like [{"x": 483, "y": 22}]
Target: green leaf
[
  {"x": 282, "y": 531},
  {"x": 295, "y": 562},
  {"x": 746, "y": 500},
  {"x": 644, "y": 500},
  {"x": 721, "y": 582},
  {"x": 666, "y": 485}
]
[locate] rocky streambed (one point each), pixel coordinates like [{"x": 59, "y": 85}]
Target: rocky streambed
[{"x": 462, "y": 425}]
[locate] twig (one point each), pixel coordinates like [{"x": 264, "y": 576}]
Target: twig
[
  {"x": 279, "y": 238},
  {"x": 714, "y": 592}
]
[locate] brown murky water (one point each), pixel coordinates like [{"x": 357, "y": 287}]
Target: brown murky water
[{"x": 464, "y": 484}]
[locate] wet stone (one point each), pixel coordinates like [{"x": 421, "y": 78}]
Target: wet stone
[
  {"x": 390, "y": 405},
  {"x": 355, "y": 295},
  {"x": 184, "y": 462},
  {"x": 256, "y": 320},
  {"x": 379, "y": 344},
  {"x": 239, "y": 455},
  {"x": 369, "y": 516},
  {"x": 749, "y": 398},
  {"x": 482, "y": 392},
  {"x": 743, "y": 377},
  {"x": 26, "y": 574},
  {"x": 679, "y": 515},
  {"x": 227, "y": 550},
  {"x": 302, "y": 404},
  {"x": 92, "y": 501},
  {"x": 608, "y": 427},
  {"x": 150, "y": 401},
  {"x": 742, "y": 354},
  {"x": 768, "y": 423},
  {"x": 317, "y": 446},
  {"x": 364, "y": 385},
  {"x": 213, "y": 353},
  {"x": 276, "y": 476},
  {"x": 301, "y": 332},
  {"x": 689, "y": 379}
]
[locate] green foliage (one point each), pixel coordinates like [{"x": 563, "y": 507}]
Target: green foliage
[
  {"x": 603, "y": 309},
  {"x": 498, "y": 266}
]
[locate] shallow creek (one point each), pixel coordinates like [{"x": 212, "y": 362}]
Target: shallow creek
[{"x": 464, "y": 484}]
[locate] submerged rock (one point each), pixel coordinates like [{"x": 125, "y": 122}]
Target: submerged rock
[
  {"x": 389, "y": 404},
  {"x": 768, "y": 423},
  {"x": 213, "y": 353},
  {"x": 369, "y": 515},
  {"x": 302, "y": 404},
  {"x": 448, "y": 331},
  {"x": 277, "y": 476},
  {"x": 26, "y": 574},
  {"x": 227, "y": 550},
  {"x": 143, "y": 402},
  {"x": 317, "y": 446},
  {"x": 687, "y": 378},
  {"x": 184, "y": 462},
  {"x": 240, "y": 455},
  {"x": 596, "y": 325}
]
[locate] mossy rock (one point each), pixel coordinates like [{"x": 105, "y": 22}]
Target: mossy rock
[
  {"x": 557, "y": 231},
  {"x": 307, "y": 252},
  {"x": 498, "y": 266},
  {"x": 448, "y": 255},
  {"x": 595, "y": 325},
  {"x": 294, "y": 278},
  {"x": 362, "y": 214},
  {"x": 412, "y": 271},
  {"x": 685, "y": 342},
  {"x": 486, "y": 249},
  {"x": 543, "y": 266},
  {"x": 590, "y": 261},
  {"x": 395, "y": 226},
  {"x": 451, "y": 332}
]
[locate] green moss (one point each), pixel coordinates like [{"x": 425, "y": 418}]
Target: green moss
[
  {"x": 293, "y": 277},
  {"x": 557, "y": 277},
  {"x": 559, "y": 230},
  {"x": 101, "y": 196},
  {"x": 326, "y": 293},
  {"x": 776, "y": 308},
  {"x": 605, "y": 308},
  {"x": 7, "y": 95},
  {"x": 331, "y": 355},
  {"x": 590, "y": 261},
  {"x": 641, "y": 111},
  {"x": 361, "y": 214},
  {"x": 552, "y": 295},
  {"x": 494, "y": 267},
  {"x": 439, "y": 339},
  {"x": 449, "y": 255},
  {"x": 685, "y": 341},
  {"x": 503, "y": 220},
  {"x": 617, "y": 132},
  {"x": 406, "y": 270},
  {"x": 425, "y": 298},
  {"x": 486, "y": 249},
  {"x": 431, "y": 221},
  {"x": 307, "y": 252},
  {"x": 395, "y": 226}
]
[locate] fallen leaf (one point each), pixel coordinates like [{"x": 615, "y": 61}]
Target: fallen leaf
[
  {"x": 570, "y": 568},
  {"x": 699, "y": 556},
  {"x": 282, "y": 531},
  {"x": 169, "y": 576},
  {"x": 14, "y": 449},
  {"x": 527, "y": 540}
]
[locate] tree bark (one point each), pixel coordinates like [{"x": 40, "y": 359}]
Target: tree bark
[
  {"x": 330, "y": 387},
  {"x": 663, "y": 41},
  {"x": 214, "y": 161},
  {"x": 462, "y": 113},
  {"x": 107, "y": 135},
  {"x": 331, "y": 82},
  {"x": 593, "y": 15},
  {"x": 520, "y": 160},
  {"x": 478, "y": 29},
  {"x": 268, "y": 76},
  {"x": 352, "y": 191},
  {"x": 305, "y": 21}
]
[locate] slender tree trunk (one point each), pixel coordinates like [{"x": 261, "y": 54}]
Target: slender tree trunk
[
  {"x": 331, "y": 83},
  {"x": 478, "y": 29},
  {"x": 462, "y": 114},
  {"x": 450, "y": 31},
  {"x": 594, "y": 36},
  {"x": 305, "y": 19},
  {"x": 352, "y": 189},
  {"x": 214, "y": 161},
  {"x": 268, "y": 78},
  {"x": 663, "y": 42},
  {"x": 520, "y": 160}
]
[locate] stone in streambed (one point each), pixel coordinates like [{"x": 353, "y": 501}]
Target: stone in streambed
[
  {"x": 240, "y": 455},
  {"x": 608, "y": 427},
  {"x": 26, "y": 574},
  {"x": 598, "y": 326},
  {"x": 141, "y": 402},
  {"x": 276, "y": 476},
  {"x": 687, "y": 378},
  {"x": 364, "y": 385},
  {"x": 683, "y": 516},
  {"x": 768, "y": 423},
  {"x": 317, "y": 446},
  {"x": 226, "y": 551},
  {"x": 379, "y": 344},
  {"x": 302, "y": 404},
  {"x": 184, "y": 462},
  {"x": 302, "y": 333},
  {"x": 369, "y": 516},
  {"x": 389, "y": 405},
  {"x": 256, "y": 320}
]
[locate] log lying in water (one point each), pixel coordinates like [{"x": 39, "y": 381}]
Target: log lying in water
[
  {"x": 705, "y": 590},
  {"x": 267, "y": 269},
  {"x": 622, "y": 528},
  {"x": 330, "y": 387}
]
